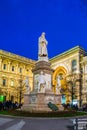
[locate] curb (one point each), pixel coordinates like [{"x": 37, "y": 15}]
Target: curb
[{"x": 22, "y": 117}]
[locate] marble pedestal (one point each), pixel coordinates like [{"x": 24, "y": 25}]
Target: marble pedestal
[{"x": 38, "y": 99}]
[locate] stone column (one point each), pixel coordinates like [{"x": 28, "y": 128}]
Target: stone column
[
  {"x": 17, "y": 68},
  {"x": 0, "y": 64},
  {"x": 23, "y": 71},
  {"x": 0, "y": 70},
  {"x": 78, "y": 65},
  {"x": 9, "y": 65}
]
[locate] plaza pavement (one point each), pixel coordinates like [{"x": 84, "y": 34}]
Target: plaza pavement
[
  {"x": 31, "y": 123},
  {"x": 22, "y": 123}
]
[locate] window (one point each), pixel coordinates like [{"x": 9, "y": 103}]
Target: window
[
  {"x": 12, "y": 68},
  {"x": 74, "y": 65},
  {"x": 4, "y": 66},
  {"x": 4, "y": 82},
  {"x": 12, "y": 83},
  {"x": 20, "y": 70}
]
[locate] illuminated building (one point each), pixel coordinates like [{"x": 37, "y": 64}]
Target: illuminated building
[
  {"x": 13, "y": 68},
  {"x": 70, "y": 67}
]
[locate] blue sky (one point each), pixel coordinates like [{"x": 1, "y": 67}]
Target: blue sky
[{"x": 23, "y": 21}]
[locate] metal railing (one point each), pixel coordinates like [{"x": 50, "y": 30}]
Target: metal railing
[{"x": 80, "y": 124}]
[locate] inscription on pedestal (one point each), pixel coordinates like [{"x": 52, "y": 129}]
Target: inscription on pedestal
[{"x": 33, "y": 98}]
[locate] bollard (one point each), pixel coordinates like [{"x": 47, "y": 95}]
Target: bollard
[{"x": 76, "y": 123}]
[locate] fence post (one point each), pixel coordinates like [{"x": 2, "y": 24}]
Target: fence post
[{"x": 76, "y": 123}]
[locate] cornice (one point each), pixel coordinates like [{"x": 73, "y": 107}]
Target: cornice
[
  {"x": 14, "y": 57},
  {"x": 67, "y": 53}
]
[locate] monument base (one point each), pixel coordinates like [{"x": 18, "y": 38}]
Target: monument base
[{"x": 39, "y": 101}]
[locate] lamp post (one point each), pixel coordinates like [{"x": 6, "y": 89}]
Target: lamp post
[{"x": 80, "y": 91}]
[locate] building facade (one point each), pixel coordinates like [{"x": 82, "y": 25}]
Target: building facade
[
  {"x": 84, "y": 79},
  {"x": 13, "y": 71},
  {"x": 69, "y": 77}
]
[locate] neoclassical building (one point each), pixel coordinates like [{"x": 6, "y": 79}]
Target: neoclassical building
[
  {"x": 69, "y": 77},
  {"x": 13, "y": 71}
]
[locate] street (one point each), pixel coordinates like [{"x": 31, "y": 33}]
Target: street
[{"x": 7, "y": 123}]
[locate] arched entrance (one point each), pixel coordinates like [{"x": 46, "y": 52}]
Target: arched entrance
[{"x": 59, "y": 83}]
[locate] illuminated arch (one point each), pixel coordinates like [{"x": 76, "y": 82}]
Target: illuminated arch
[{"x": 60, "y": 69}]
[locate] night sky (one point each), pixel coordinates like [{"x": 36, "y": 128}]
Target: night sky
[{"x": 23, "y": 21}]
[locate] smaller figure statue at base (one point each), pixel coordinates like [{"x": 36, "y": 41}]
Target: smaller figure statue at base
[
  {"x": 26, "y": 82},
  {"x": 42, "y": 83},
  {"x": 58, "y": 84}
]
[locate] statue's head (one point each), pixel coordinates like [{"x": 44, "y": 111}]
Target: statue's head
[
  {"x": 41, "y": 72},
  {"x": 43, "y": 33}
]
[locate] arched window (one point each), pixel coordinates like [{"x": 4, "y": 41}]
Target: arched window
[
  {"x": 12, "y": 68},
  {"x": 74, "y": 65},
  {"x": 20, "y": 70},
  {"x": 12, "y": 83},
  {"x": 4, "y": 82},
  {"x": 4, "y": 66}
]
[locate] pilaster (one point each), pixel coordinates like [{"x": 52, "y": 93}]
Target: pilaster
[
  {"x": 17, "y": 68},
  {"x": 9, "y": 66},
  {"x": 0, "y": 63}
]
